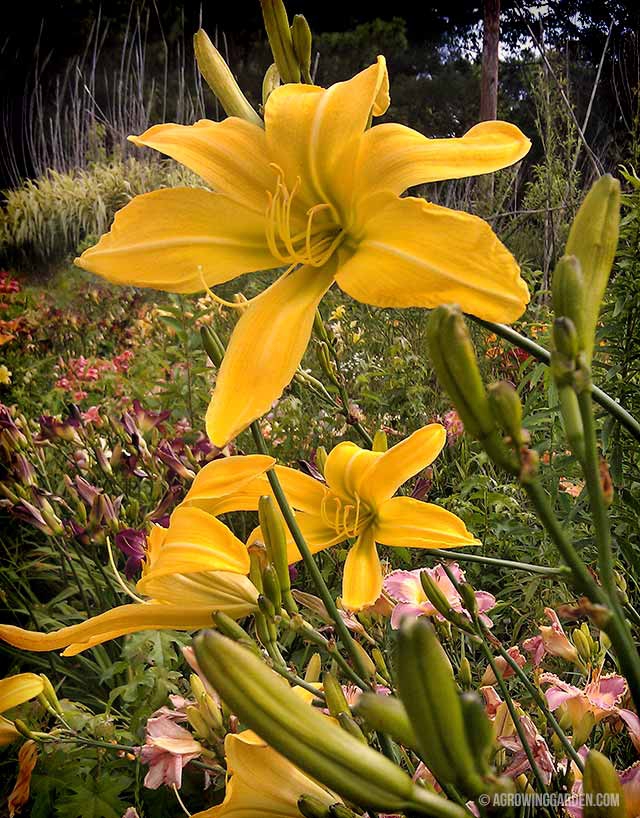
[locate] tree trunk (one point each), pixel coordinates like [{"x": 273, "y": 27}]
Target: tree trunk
[{"x": 490, "y": 44}]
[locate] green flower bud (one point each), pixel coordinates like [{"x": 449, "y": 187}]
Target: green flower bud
[
  {"x": 321, "y": 457},
  {"x": 212, "y": 345},
  {"x": 302, "y": 39},
  {"x": 381, "y": 665},
  {"x": 276, "y": 543},
  {"x": 229, "y": 627},
  {"x": 434, "y": 594},
  {"x": 276, "y": 24},
  {"x": 464, "y": 673},
  {"x": 308, "y": 738},
  {"x": 386, "y": 714},
  {"x": 593, "y": 240},
  {"x": 569, "y": 294},
  {"x": 336, "y": 701},
  {"x": 314, "y": 666},
  {"x": 366, "y": 660},
  {"x": 50, "y": 694},
  {"x": 601, "y": 779},
  {"x": 479, "y": 729},
  {"x": 270, "y": 82},
  {"x": 565, "y": 340},
  {"x": 219, "y": 78},
  {"x": 311, "y": 807},
  {"x": 380, "y": 442},
  {"x": 347, "y": 723},
  {"x": 272, "y": 587},
  {"x": 196, "y": 720},
  {"x": 507, "y": 409}
]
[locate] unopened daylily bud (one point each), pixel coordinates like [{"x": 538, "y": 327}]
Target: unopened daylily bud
[
  {"x": 197, "y": 721},
  {"x": 431, "y": 699},
  {"x": 583, "y": 729},
  {"x": 479, "y": 729},
  {"x": 258, "y": 560},
  {"x": 386, "y": 714},
  {"x": 219, "y": 78},
  {"x": 326, "y": 364},
  {"x": 306, "y": 737},
  {"x": 266, "y": 607},
  {"x": 313, "y": 669},
  {"x": 454, "y": 361},
  {"x": 212, "y": 344},
  {"x": 272, "y": 587},
  {"x": 366, "y": 660},
  {"x": 507, "y": 409},
  {"x": 584, "y": 644},
  {"x": 336, "y": 701},
  {"x": 230, "y": 628},
  {"x": 381, "y": 665},
  {"x": 593, "y": 239},
  {"x": 276, "y": 544},
  {"x": 23, "y": 729},
  {"x": 270, "y": 82},
  {"x": 276, "y": 24},
  {"x": 464, "y": 673},
  {"x": 350, "y": 725},
  {"x": 565, "y": 340},
  {"x": 197, "y": 687},
  {"x": 340, "y": 811},
  {"x": 600, "y": 778},
  {"x": 569, "y": 294},
  {"x": 380, "y": 442},
  {"x": 50, "y": 694},
  {"x": 311, "y": 807},
  {"x": 435, "y": 595},
  {"x": 321, "y": 457},
  {"x": 301, "y": 38}
]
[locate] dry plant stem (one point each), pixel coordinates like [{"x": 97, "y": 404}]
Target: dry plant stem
[
  {"x": 310, "y": 563},
  {"x": 617, "y": 411}
]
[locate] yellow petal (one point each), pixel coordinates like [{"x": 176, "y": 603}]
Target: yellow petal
[
  {"x": 8, "y": 732},
  {"x": 346, "y": 467},
  {"x": 15, "y": 690},
  {"x": 231, "y": 156},
  {"x": 414, "y": 254},
  {"x": 304, "y": 492},
  {"x": 197, "y": 541},
  {"x": 394, "y": 157},
  {"x": 266, "y": 347},
  {"x": 177, "y": 238},
  {"x": 362, "y": 578},
  {"x": 109, "y": 625},
  {"x": 234, "y": 594},
  {"x": 313, "y": 133},
  {"x": 401, "y": 462},
  {"x": 409, "y": 523},
  {"x": 223, "y": 477}
]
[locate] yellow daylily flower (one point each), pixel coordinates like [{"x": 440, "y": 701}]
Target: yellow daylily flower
[
  {"x": 316, "y": 191},
  {"x": 192, "y": 568},
  {"x": 261, "y": 782},
  {"x": 356, "y": 503},
  {"x": 15, "y": 690}
]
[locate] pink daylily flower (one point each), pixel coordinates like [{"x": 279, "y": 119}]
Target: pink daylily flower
[
  {"x": 405, "y": 587},
  {"x": 600, "y": 697},
  {"x": 167, "y": 750},
  {"x": 552, "y": 640}
]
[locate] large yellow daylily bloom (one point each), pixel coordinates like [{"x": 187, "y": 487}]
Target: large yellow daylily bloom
[
  {"x": 194, "y": 567},
  {"x": 15, "y": 690},
  {"x": 318, "y": 192},
  {"x": 262, "y": 783},
  {"x": 357, "y": 502}
]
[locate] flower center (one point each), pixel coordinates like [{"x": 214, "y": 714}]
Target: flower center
[
  {"x": 313, "y": 245},
  {"x": 347, "y": 519}
]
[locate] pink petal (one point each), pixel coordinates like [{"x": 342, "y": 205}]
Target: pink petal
[
  {"x": 485, "y": 601},
  {"x": 404, "y": 586},
  {"x": 633, "y": 726},
  {"x": 405, "y": 609},
  {"x": 535, "y": 648}
]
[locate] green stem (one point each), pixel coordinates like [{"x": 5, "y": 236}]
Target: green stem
[
  {"x": 617, "y": 411},
  {"x": 310, "y": 563},
  {"x": 517, "y": 566}
]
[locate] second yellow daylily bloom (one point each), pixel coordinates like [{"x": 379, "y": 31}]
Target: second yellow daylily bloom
[
  {"x": 357, "y": 503},
  {"x": 262, "y": 783},
  {"x": 15, "y": 690},
  {"x": 192, "y": 568},
  {"x": 317, "y": 191}
]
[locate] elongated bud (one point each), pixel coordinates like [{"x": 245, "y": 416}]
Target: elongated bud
[
  {"x": 430, "y": 696},
  {"x": 479, "y": 729},
  {"x": 380, "y": 442},
  {"x": 50, "y": 695},
  {"x": 386, "y": 714},
  {"x": 212, "y": 345},
  {"x": 197, "y": 721},
  {"x": 301, "y": 38},
  {"x": 593, "y": 239},
  {"x": 464, "y": 673},
  {"x": 306, "y": 737},
  {"x": 219, "y": 78},
  {"x": 23, "y": 729},
  {"x": 276, "y": 24},
  {"x": 336, "y": 701},
  {"x": 313, "y": 669},
  {"x": 340, "y": 811},
  {"x": 565, "y": 339},
  {"x": 381, "y": 665},
  {"x": 434, "y": 594},
  {"x": 229, "y": 627},
  {"x": 507, "y": 409},
  {"x": 569, "y": 295},
  {"x": 350, "y": 725},
  {"x": 311, "y": 807},
  {"x": 276, "y": 543},
  {"x": 197, "y": 687},
  {"x": 326, "y": 364},
  {"x": 367, "y": 661},
  {"x": 270, "y": 82},
  {"x": 321, "y": 457},
  {"x": 601, "y": 779},
  {"x": 258, "y": 560},
  {"x": 265, "y": 605},
  {"x": 456, "y": 368},
  {"x": 584, "y": 645},
  {"x": 272, "y": 587}
]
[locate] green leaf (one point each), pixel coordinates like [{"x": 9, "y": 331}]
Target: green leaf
[{"x": 96, "y": 798}]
